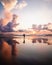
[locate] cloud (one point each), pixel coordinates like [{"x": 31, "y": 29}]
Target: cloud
[
  {"x": 7, "y": 18},
  {"x": 9, "y": 4},
  {"x": 21, "y": 5}
]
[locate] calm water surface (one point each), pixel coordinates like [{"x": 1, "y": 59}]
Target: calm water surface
[{"x": 30, "y": 49}]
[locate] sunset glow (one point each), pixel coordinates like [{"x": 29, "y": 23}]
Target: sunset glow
[
  {"x": 29, "y": 12},
  {"x": 27, "y": 19}
]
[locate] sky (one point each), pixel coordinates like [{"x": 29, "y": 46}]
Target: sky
[{"x": 29, "y": 11}]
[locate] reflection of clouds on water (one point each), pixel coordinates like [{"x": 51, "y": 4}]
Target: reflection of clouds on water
[
  {"x": 39, "y": 51},
  {"x": 29, "y": 51},
  {"x": 8, "y": 48},
  {"x": 42, "y": 40},
  {"x": 49, "y": 41}
]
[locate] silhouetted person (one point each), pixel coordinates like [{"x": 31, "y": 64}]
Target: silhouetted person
[{"x": 24, "y": 38}]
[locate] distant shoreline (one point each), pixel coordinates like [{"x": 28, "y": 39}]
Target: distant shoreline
[{"x": 19, "y": 35}]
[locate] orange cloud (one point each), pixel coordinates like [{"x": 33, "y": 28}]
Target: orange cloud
[
  {"x": 7, "y": 18},
  {"x": 9, "y": 4}
]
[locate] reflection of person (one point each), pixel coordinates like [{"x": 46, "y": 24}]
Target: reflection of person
[{"x": 24, "y": 38}]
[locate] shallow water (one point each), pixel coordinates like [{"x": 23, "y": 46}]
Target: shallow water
[{"x": 34, "y": 49}]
